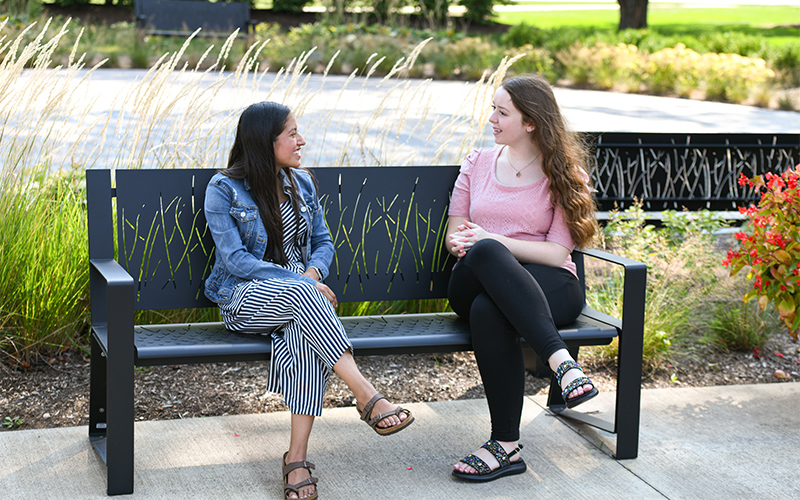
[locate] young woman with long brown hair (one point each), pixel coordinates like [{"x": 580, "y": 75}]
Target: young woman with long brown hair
[{"x": 517, "y": 211}]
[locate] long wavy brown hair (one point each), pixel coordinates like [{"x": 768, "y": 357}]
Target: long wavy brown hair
[{"x": 565, "y": 160}]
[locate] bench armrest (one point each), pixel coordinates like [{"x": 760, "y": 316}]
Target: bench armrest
[
  {"x": 112, "y": 295},
  {"x": 629, "y": 361},
  {"x": 633, "y": 288}
]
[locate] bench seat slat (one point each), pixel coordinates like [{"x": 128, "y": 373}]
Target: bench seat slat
[{"x": 408, "y": 333}]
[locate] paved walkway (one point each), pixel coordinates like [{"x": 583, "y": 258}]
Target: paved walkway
[
  {"x": 188, "y": 119},
  {"x": 726, "y": 443}
]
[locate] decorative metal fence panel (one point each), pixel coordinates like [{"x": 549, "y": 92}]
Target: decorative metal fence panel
[{"x": 692, "y": 171}]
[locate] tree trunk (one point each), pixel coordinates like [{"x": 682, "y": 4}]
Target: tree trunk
[{"x": 632, "y": 14}]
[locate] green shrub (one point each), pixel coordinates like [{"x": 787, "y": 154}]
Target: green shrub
[
  {"x": 538, "y": 61},
  {"x": 785, "y": 60},
  {"x": 291, "y": 6},
  {"x": 604, "y": 66},
  {"x": 731, "y": 77},
  {"x": 738, "y": 326},
  {"x": 682, "y": 276},
  {"x": 673, "y": 70}
]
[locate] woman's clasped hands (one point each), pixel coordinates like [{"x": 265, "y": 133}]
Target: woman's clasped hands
[{"x": 467, "y": 235}]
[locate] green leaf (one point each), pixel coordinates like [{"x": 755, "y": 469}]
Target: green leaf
[
  {"x": 783, "y": 257},
  {"x": 786, "y": 308}
]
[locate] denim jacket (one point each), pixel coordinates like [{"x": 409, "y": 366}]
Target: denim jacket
[{"x": 241, "y": 239}]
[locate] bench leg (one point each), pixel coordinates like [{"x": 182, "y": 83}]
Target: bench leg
[
  {"x": 119, "y": 391},
  {"x": 629, "y": 374},
  {"x": 111, "y": 419},
  {"x": 629, "y": 395},
  {"x": 97, "y": 398},
  {"x": 120, "y": 429}
]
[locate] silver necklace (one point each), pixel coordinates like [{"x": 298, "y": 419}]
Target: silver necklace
[{"x": 519, "y": 170}]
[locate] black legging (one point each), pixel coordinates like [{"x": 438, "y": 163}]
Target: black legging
[{"x": 503, "y": 299}]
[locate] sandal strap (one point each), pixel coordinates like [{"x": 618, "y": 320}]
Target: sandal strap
[
  {"x": 578, "y": 382},
  {"x": 305, "y": 464},
  {"x": 396, "y": 412},
  {"x": 499, "y": 453},
  {"x": 365, "y": 412},
  {"x": 477, "y": 463},
  {"x": 312, "y": 481},
  {"x": 565, "y": 367}
]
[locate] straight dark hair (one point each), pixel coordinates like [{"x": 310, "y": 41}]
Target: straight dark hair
[{"x": 252, "y": 158}]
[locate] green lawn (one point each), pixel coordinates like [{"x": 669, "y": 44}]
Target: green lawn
[{"x": 768, "y": 21}]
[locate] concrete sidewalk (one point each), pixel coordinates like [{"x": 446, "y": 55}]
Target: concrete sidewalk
[{"x": 731, "y": 442}]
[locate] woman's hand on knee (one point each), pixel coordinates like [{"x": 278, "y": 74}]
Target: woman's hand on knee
[{"x": 327, "y": 293}]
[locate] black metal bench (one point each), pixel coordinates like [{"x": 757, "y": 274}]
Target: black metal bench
[
  {"x": 388, "y": 227},
  {"x": 182, "y": 17}
]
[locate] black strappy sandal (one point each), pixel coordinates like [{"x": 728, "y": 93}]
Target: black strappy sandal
[
  {"x": 485, "y": 473},
  {"x": 578, "y": 382}
]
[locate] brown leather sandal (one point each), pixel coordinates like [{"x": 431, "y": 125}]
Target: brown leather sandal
[
  {"x": 289, "y": 488},
  {"x": 373, "y": 422}
]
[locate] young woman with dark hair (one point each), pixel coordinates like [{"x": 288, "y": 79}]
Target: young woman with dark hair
[
  {"x": 273, "y": 250},
  {"x": 516, "y": 213}
]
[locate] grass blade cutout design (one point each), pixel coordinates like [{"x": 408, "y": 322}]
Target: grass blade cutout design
[{"x": 174, "y": 249}]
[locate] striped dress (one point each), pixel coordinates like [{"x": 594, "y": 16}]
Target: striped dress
[{"x": 307, "y": 336}]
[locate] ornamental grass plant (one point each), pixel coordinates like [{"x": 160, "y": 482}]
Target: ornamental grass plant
[
  {"x": 44, "y": 302},
  {"x": 53, "y": 127},
  {"x": 684, "y": 281}
]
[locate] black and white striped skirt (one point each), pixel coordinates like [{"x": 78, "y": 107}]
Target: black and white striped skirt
[{"x": 307, "y": 336}]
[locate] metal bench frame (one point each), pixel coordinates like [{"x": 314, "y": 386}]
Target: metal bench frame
[{"x": 388, "y": 227}]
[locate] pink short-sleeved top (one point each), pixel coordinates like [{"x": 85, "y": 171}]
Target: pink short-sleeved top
[{"x": 519, "y": 212}]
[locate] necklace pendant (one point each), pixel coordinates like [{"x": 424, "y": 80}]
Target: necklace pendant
[{"x": 519, "y": 173}]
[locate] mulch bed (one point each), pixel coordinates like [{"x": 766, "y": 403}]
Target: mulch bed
[{"x": 55, "y": 392}]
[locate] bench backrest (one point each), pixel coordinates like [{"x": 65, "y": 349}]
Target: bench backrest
[
  {"x": 387, "y": 223},
  {"x": 181, "y": 16}
]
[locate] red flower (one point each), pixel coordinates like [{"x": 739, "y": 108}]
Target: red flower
[{"x": 743, "y": 180}]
